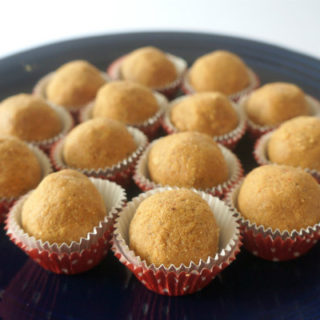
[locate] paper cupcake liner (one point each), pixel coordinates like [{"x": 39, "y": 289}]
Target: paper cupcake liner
[
  {"x": 180, "y": 280},
  {"x": 256, "y": 131},
  {"x": 7, "y": 203},
  {"x": 114, "y": 72},
  {"x": 40, "y": 90},
  {"x": 78, "y": 256},
  {"x": 260, "y": 154},
  {"x": 271, "y": 244},
  {"x": 67, "y": 124},
  {"x": 149, "y": 127},
  {"x": 229, "y": 139},
  {"x": 254, "y": 83},
  {"x": 120, "y": 173},
  {"x": 142, "y": 179}
]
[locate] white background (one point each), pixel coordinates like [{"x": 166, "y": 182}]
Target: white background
[{"x": 294, "y": 24}]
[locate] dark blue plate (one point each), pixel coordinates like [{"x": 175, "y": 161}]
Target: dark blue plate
[{"x": 250, "y": 288}]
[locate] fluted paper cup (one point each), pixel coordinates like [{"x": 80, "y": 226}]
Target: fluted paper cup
[
  {"x": 120, "y": 172},
  {"x": 46, "y": 168},
  {"x": 229, "y": 139},
  {"x": 80, "y": 255},
  {"x": 149, "y": 127},
  {"x": 142, "y": 178},
  {"x": 254, "y": 83},
  {"x": 178, "y": 280},
  {"x": 269, "y": 244},
  {"x": 114, "y": 72}
]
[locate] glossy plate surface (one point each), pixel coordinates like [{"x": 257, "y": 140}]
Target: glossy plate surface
[{"x": 249, "y": 289}]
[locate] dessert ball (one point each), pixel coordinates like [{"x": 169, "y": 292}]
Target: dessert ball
[
  {"x": 20, "y": 170},
  {"x": 174, "y": 227},
  {"x": 208, "y": 112},
  {"x": 74, "y": 84},
  {"x": 276, "y": 102},
  {"x": 296, "y": 143},
  {"x": 221, "y": 71},
  {"x": 64, "y": 207},
  {"x": 29, "y": 118},
  {"x": 149, "y": 66},
  {"x": 125, "y": 101},
  {"x": 187, "y": 159},
  {"x": 280, "y": 197},
  {"x": 97, "y": 143}
]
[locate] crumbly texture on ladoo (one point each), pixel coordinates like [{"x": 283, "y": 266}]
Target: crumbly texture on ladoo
[
  {"x": 125, "y": 101},
  {"x": 149, "y": 66},
  {"x": 65, "y": 207},
  {"x": 20, "y": 170},
  {"x": 276, "y": 102},
  {"x": 208, "y": 112},
  {"x": 74, "y": 84},
  {"x": 98, "y": 143},
  {"x": 174, "y": 227},
  {"x": 221, "y": 71},
  {"x": 28, "y": 118},
  {"x": 187, "y": 159},
  {"x": 280, "y": 197},
  {"x": 297, "y": 143}
]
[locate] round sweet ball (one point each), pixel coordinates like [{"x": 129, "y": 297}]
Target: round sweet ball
[
  {"x": 296, "y": 143},
  {"x": 125, "y": 101},
  {"x": 280, "y": 197},
  {"x": 149, "y": 66},
  {"x": 74, "y": 84},
  {"x": 29, "y": 118},
  {"x": 65, "y": 207},
  {"x": 207, "y": 112},
  {"x": 187, "y": 159},
  {"x": 174, "y": 227},
  {"x": 221, "y": 71},
  {"x": 276, "y": 102},
  {"x": 20, "y": 170},
  {"x": 98, "y": 143}
]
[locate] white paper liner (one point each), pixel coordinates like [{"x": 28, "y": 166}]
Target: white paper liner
[
  {"x": 232, "y": 200},
  {"x": 114, "y": 198},
  {"x": 313, "y": 105},
  {"x": 180, "y": 65},
  {"x": 229, "y": 237},
  {"x": 86, "y": 113},
  {"x": 44, "y": 163},
  {"x": 254, "y": 83},
  {"x": 235, "y": 171},
  {"x": 67, "y": 124},
  {"x": 139, "y": 138},
  {"x": 240, "y": 129},
  {"x": 260, "y": 153},
  {"x": 41, "y": 86}
]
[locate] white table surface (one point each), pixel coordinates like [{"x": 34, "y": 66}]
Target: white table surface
[{"x": 294, "y": 24}]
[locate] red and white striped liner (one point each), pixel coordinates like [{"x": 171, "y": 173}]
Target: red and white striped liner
[
  {"x": 272, "y": 244},
  {"x": 7, "y": 203},
  {"x": 120, "y": 173},
  {"x": 254, "y": 83},
  {"x": 67, "y": 124},
  {"x": 260, "y": 154},
  {"x": 114, "y": 72},
  {"x": 256, "y": 131},
  {"x": 149, "y": 127},
  {"x": 142, "y": 179},
  {"x": 40, "y": 90},
  {"x": 174, "y": 281},
  {"x": 78, "y": 256},
  {"x": 229, "y": 139}
]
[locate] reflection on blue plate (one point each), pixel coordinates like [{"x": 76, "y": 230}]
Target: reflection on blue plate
[{"x": 250, "y": 288}]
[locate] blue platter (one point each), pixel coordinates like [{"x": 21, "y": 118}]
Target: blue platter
[{"x": 250, "y": 288}]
